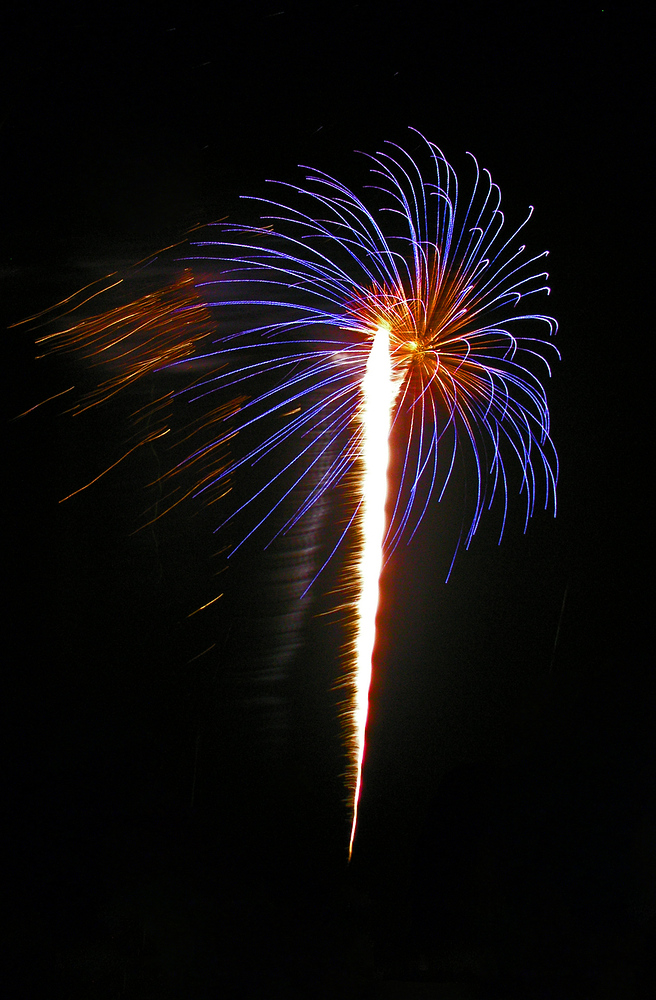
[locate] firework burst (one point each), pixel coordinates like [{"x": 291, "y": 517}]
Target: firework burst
[
  {"x": 336, "y": 322},
  {"x": 446, "y": 283}
]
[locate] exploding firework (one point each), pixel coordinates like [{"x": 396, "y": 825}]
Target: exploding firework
[
  {"x": 336, "y": 325},
  {"x": 431, "y": 280}
]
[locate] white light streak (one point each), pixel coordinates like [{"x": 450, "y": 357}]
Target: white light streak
[{"x": 379, "y": 390}]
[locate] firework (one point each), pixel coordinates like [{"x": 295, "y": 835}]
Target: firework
[
  {"x": 437, "y": 277},
  {"x": 337, "y": 322}
]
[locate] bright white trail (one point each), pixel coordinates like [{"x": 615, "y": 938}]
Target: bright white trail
[{"x": 379, "y": 391}]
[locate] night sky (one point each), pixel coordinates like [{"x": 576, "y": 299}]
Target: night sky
[{"x": 177, "y": 817}]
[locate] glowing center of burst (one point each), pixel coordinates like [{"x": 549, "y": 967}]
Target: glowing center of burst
[{"x": 379, "y": 389}]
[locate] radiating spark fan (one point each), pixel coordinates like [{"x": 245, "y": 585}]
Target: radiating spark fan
[{"x": 444, "y": 283}]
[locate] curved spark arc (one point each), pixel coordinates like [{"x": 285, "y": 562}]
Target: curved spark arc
[{"x": 379, "y": 390}]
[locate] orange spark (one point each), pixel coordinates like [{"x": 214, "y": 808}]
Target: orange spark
[{"x": 137, "y": 339}]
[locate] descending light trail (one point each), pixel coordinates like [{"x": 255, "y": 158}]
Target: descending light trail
[{"x": 379, "y": 390}]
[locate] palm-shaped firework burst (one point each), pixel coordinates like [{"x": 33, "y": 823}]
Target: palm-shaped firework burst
[
  {"x": 415, "y": 315},
  {"x": 449, "y": 285},
  {"x": 412, "y": 313}
]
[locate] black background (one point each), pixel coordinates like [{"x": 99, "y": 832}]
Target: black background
[{"x": 164, "y": 843}]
